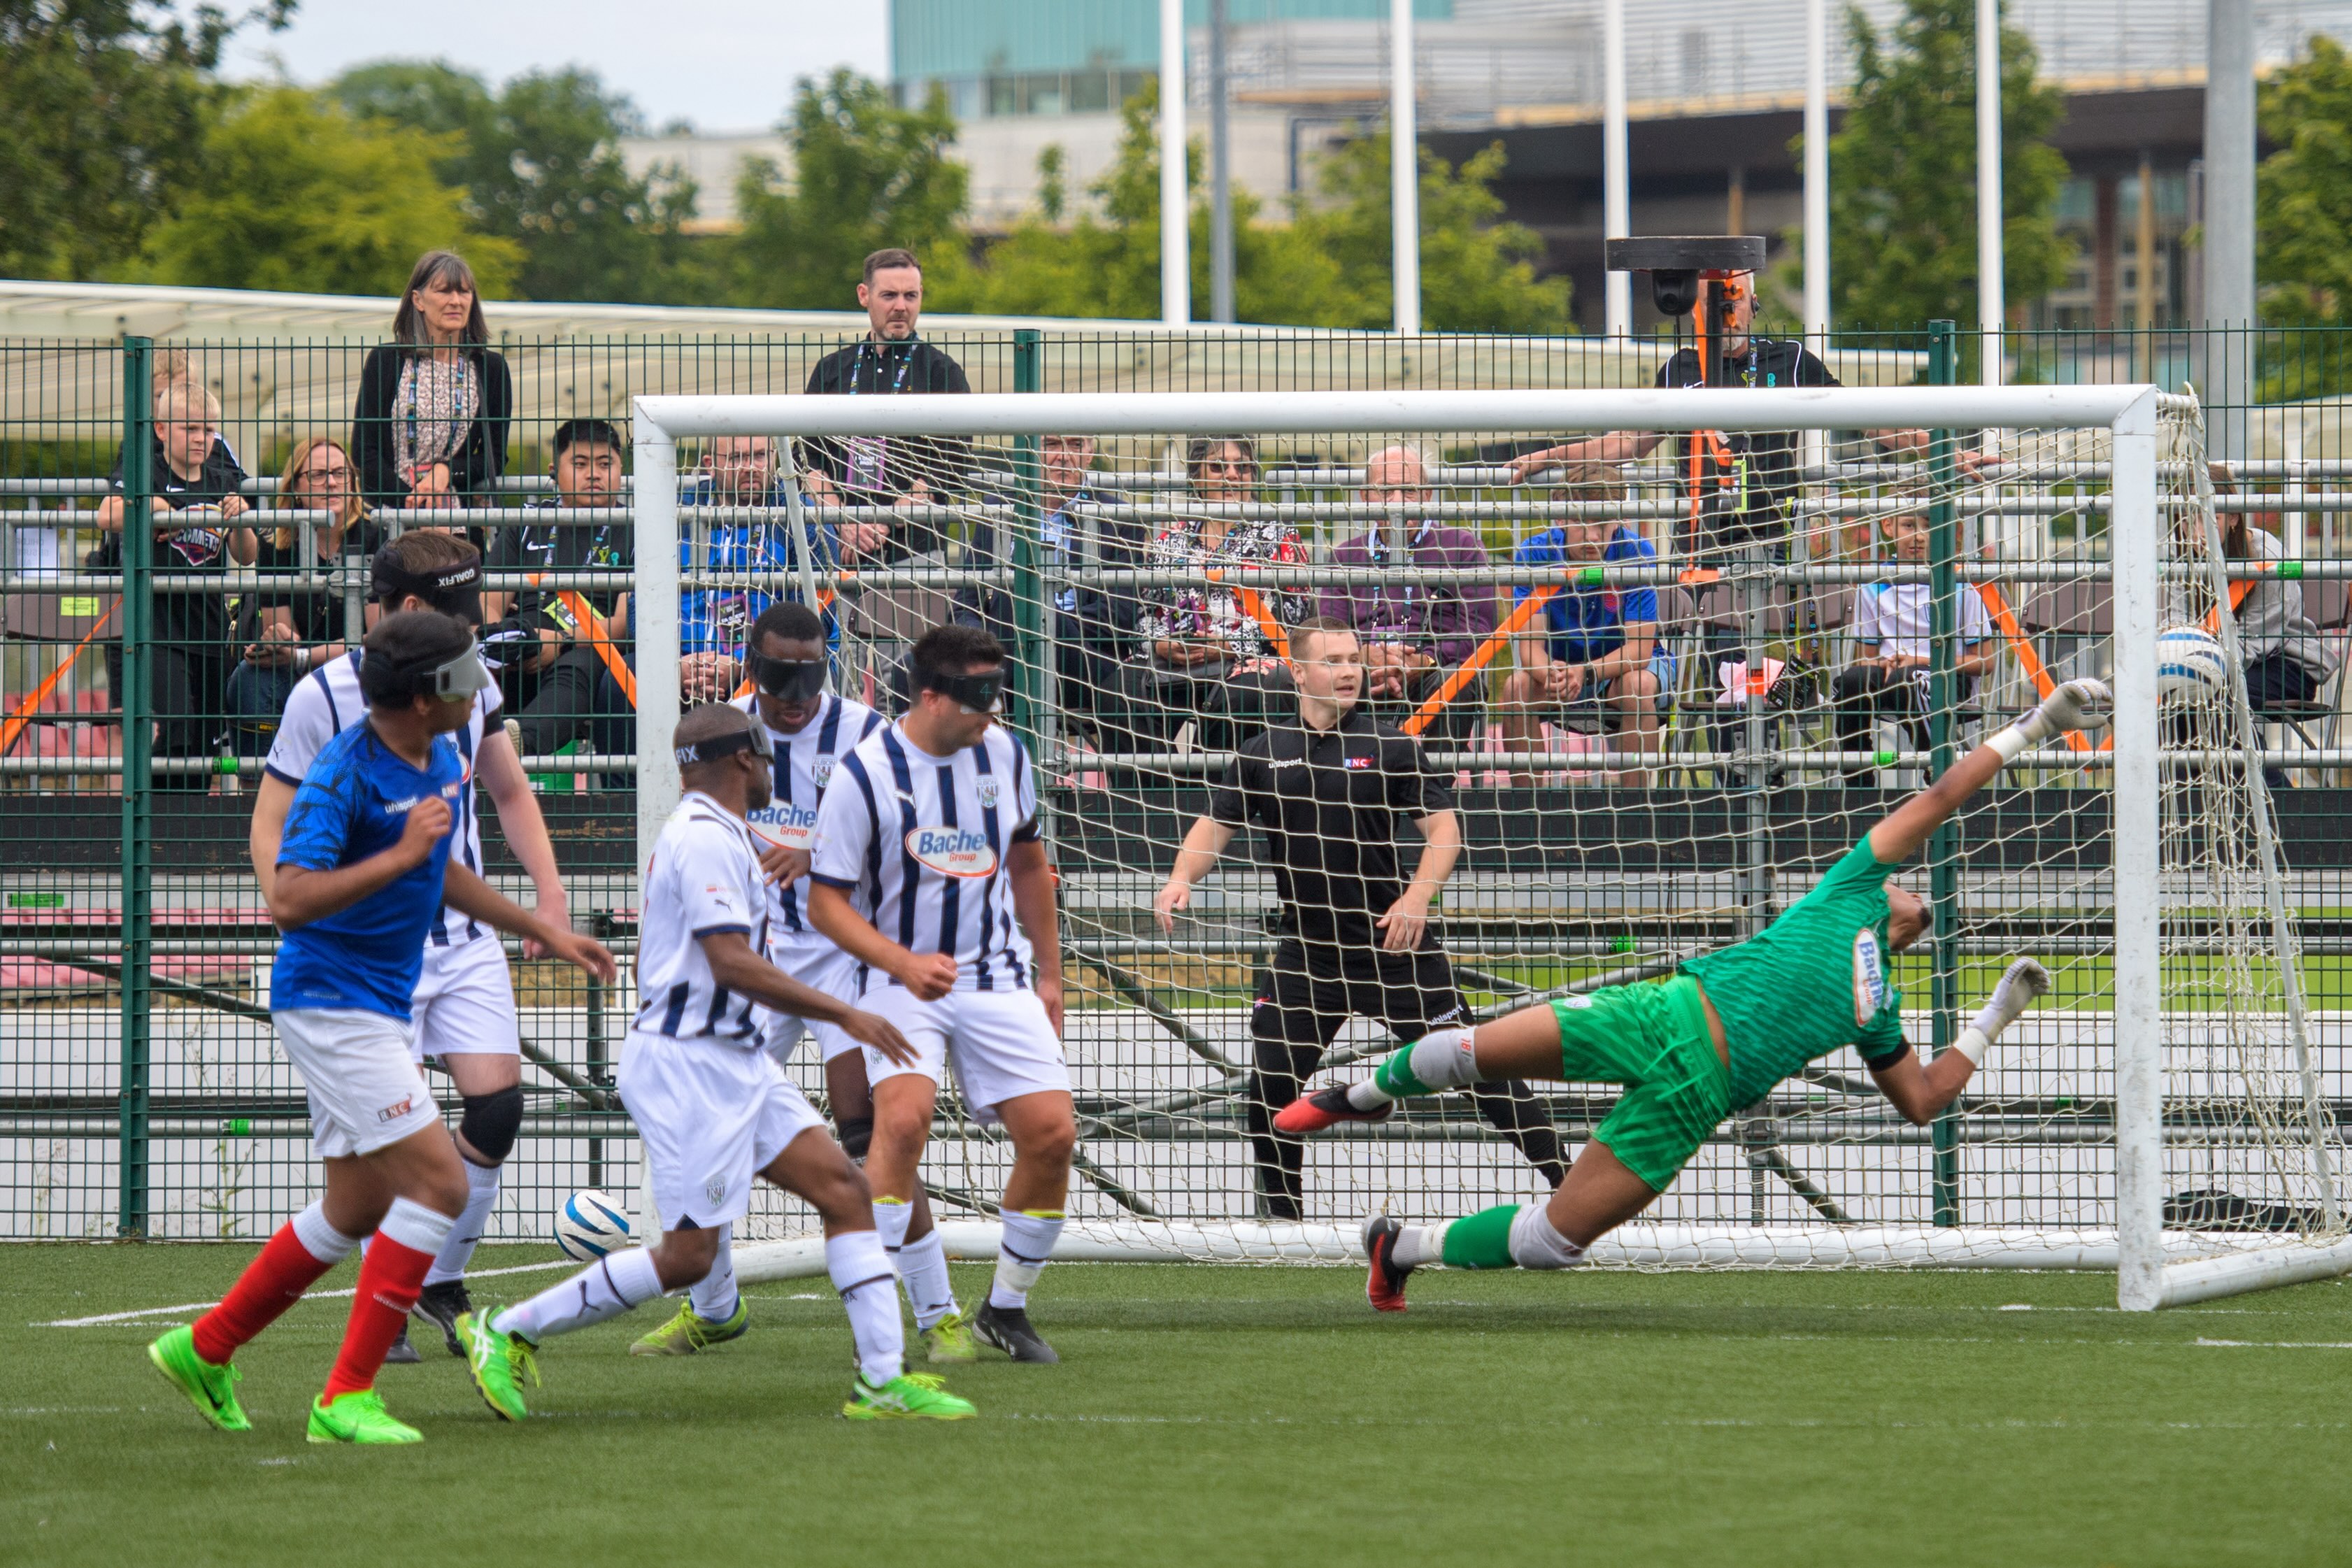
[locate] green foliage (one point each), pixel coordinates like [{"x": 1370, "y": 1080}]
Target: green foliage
[
  {"x": 292, "y": 193},
  {"x": 540, "y": 164},
  {"x": 866, "y": 175},
  {"x": 2303, "y": 202},
  {"x": 101, "y": 113},
  {"x": 1903, "y": 213}
]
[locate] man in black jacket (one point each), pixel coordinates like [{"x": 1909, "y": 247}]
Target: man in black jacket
[{"x": 555, "y": 675}]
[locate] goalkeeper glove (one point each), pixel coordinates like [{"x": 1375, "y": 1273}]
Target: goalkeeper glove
[
  {"x": 2082, "y": 704},
  {"x": 2025, "y": 981}
]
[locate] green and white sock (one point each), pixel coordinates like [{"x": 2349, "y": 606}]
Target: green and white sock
[{"x": 1430, "y": 1065}]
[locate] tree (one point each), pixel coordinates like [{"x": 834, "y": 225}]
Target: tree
[
  {"x": 541, "y": 164},
  {"x": 292, "y": 193},
  {"x": 2303, "y": 200},
  {"x": 866, "y": 175},
  {"x": 1903, "y": 211},
  {"x": 103, "y": 121}
]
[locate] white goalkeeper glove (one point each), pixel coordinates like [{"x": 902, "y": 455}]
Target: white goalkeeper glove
[
  {"x": 2084, "y": 704},
  {"x": 2025, "y": 981}
]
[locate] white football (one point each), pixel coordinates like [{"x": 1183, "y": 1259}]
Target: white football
[
  {"x": 590, "y": 1224},
  {"x": 2190, "y": 665}
]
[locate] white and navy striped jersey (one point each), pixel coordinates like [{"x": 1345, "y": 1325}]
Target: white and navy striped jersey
[
  {"x": 704, "y": 879},
  {"x": 918, "y": 842},
  {"x": 328, "y": 702},
  {"x": 804, "y": 765}
]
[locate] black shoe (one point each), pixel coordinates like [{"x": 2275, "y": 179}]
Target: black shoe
[
  {"x": 401, "y": 1352},
  {"x": 1384, "y": 1283},
  {"x": 1010, "y": 1330},
  {"x": 444, "y": 1304}
]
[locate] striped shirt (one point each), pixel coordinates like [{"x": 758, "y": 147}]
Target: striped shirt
[
  {"x": 328, "y": 702},
  {"x": 919, "y": 842},
  {"x": 703, "y": 880},
  {"x": 804, "y": 765}
]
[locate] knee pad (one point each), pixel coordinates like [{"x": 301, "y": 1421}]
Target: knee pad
[
  {"x": 491, "y": 1121},
  {"x": 856, "y": 1134},
  {"x": 1536, "y": 1245},
  {"x": 1444, "y": 1059}
]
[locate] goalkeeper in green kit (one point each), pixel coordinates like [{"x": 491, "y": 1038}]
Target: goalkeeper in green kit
[{"x": 1716, "y": 1035}]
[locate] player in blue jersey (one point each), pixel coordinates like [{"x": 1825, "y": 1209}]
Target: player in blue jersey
[
  {"x": 928, "y": 872},
  {"x": 362, "y": 872}
]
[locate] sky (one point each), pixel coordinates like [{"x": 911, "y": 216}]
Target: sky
[{"x": 725, "y": 65}]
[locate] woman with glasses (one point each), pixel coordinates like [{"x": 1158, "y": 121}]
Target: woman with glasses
[
  {"x": 429, "y": 429},
  {"x": 1207, "y": 651},
  {"x": 287, "y": 630}
]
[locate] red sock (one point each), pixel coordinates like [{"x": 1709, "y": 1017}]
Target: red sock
[
  {"x": 270, "y": 1283},
  {"x": 391, "y": 1275}
]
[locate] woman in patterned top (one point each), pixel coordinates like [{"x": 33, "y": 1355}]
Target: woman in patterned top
[
  {"x": 430, "y": 425},
  {"x": 1205, "y": 653}
]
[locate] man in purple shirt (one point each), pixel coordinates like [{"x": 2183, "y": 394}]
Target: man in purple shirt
[{"x": 1413, "y": 635}]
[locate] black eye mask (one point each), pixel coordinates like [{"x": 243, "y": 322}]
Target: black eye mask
[
  {"x": 753, "y": 740},
  {"x": 982, "y": 693},
  {"x": 785, "y": 679}
]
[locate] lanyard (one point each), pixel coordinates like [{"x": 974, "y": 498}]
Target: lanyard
[{"x": 906, "y": 364}]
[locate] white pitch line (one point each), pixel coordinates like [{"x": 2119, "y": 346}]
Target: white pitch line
[
  {"x": 104, "y": 1317},
  {"x": 2275, "y": 1344}
]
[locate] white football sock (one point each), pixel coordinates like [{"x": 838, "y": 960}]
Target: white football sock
[
  {"x": 481, "y": 1197},
  {"x": 891, "y": 1218},
  {"x": 714, "y": 1295},
  {"x": 923, "y": 1268},
  {"x": 606, "y": 1289},
  {"x": 1536, "y": 1244},
  {"x": 319, "y": 1240},
  {"x": 861, "y": 1272},
  {"x": 1021, "y": 1257},
  {"x": 1421, "y": 1246}
]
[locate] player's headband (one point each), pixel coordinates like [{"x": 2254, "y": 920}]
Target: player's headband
[
  {"x": 753, "y": 740},
  {"x": 785, "y": 679},
  {"x": 452, "y": 678},
  {"x": 982, "y": 693},
  {"x": 452, "y": 590}
]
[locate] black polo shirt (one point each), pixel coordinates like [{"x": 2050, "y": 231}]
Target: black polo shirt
[
  {"x": 872, "y": 470},
  {"x": 1759, "y": 480},
  {"x": 1327, "y": 801}
]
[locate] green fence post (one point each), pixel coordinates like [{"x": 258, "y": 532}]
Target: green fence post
[
  {"x": 1031, "y": 679},
  {"x": 135, "y": 699},
  {"x": 1944, "y": 847}
]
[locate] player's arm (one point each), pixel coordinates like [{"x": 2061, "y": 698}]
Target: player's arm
[
  {"x": 927, "y": 975},
  {"x": 466, "y": 893},
  {"x": 1032, "y": 877},
  {"x": 1203, "y": 842},
  {"x": 509, "y": 787},
  {"x": 1616, "y": 447},
  {"x": 1921, "y": 1090},
  {"x": 1407, "y": 919},
  {"x": 744, "y": 973},
  {"x": 267, "y": 833},
  {"x": 2077, "y": 705},
  {"x": 301, "y": 895}
]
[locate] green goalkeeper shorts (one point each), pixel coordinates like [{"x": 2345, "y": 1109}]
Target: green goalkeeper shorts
[{"x": 1652, "y": 1037}]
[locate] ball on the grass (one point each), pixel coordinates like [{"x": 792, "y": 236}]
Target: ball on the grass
[
  {"x": 590, "y": 1224},
  {"x": 2190, "y": 665}
]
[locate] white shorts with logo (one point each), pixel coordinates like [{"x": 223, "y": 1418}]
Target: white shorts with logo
[
  {"x": 359, "y": 1070},
  {"x": 821, "y": 967},
  {"x": 711, "y": 1115},
  {"x": 465, "y": 1001},
  {"x": 1000, "y": 1044}
]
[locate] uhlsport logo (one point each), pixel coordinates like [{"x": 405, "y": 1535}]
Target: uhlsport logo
[
  {"x": 951, "y": 851},
  {"x": 784, "y": 827},
  {"x": 1869, "y": 977}
]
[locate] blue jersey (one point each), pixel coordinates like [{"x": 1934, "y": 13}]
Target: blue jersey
[
  {"x": 1588, "y": 623},
  {"x": 354, "y": 803}
]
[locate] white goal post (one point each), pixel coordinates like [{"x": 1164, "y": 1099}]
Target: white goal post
[{"x": 2155, "y": 1266}]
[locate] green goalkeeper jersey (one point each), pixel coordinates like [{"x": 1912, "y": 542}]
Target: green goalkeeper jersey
[{"x": 1815, "y": 980}]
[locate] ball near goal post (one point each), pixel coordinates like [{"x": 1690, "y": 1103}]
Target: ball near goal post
[{"x": 2135, "y": 879}]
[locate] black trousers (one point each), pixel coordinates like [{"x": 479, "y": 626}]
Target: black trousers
[
  {"x": 578, "y": 699},
  {"x": 1228, "y": 703},
  {"x": 1868, "y": 692},
  {"x": 188, "y": 696},
  {"x": 1304, "y": 997}
]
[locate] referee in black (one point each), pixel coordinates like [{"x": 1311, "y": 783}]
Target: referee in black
[{"x": 1327, "y": 790}]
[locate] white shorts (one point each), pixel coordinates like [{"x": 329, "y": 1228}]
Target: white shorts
[
  {"x": 826, "y": 969},
  {"x": 465, "y": 1001},
  {"x": 711, "y": 1115},
  {"x": 359, "y": 1071},
  {"x": 1000, "y": 1044}
]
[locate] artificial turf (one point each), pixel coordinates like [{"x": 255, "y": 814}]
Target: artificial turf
[{"x": 1213, "y": 1415}]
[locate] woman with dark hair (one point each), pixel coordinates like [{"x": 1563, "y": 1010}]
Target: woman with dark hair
[
  {"x": 2288, "y": 658},
  {"x": 430, "y": 425}
]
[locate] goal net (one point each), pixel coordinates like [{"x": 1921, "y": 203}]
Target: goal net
[{"x": 1667, "y": 656}]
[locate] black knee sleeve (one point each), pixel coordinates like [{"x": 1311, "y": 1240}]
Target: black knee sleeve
[
  {"x": 856, "y": 1133},
  {"x": 491, "y": 1121}
]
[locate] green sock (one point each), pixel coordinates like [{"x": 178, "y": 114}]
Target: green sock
[
  {"x": 1395, "y": 1077},
  {"x": 1482, "y": 1240}
]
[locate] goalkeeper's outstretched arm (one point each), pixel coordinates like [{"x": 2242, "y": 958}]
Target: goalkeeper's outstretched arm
[
  {"x": 1920, "y": 1090},
  {"x": 2077, "y": 705}
]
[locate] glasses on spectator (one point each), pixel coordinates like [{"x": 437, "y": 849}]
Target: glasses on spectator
[
  {"x": 1227, "y": 466},
  {"x": 322, "y": 475}
]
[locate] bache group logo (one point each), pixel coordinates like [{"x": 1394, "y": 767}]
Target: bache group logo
[
  {"x": 784, "y": 825},
  {"x": 1870, "y": 990},
  {"x": 951, "y": 851}
]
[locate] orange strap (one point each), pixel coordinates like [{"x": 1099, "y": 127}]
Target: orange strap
[
  {"x": 2237, "y": 592},
  {"x": 1479, "y": 659},
  {"x": 1279, "y": 639},
  {"x": 599, "y": 640},
  {"x": 13, "y": 730},
  {"x": 1996, "y": 605}
]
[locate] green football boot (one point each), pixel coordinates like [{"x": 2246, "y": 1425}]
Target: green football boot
[
  {"x": 358, "y": 1417},
  {"x": 910, "y": 1396},
  {"x": 950, "y": 1340},
  {"x": 498, "y": 1363},
  {"x": 691, "y": 1331},
  {"x": 211, "y": 1389}
]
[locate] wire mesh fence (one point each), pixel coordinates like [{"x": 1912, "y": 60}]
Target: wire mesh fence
[{"x": 188, "y": 528}]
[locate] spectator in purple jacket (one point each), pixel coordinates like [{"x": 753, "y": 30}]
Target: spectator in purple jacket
[{"x": 1413, "y": 635}]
